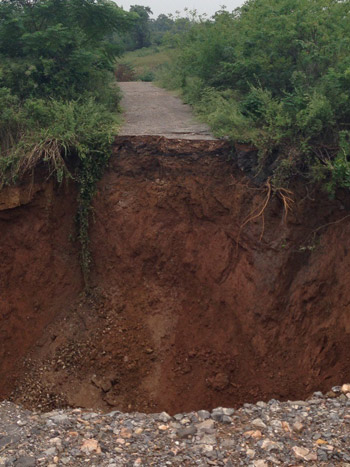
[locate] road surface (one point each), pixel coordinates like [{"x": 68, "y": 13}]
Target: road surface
[{"x": 149, "y": 110}]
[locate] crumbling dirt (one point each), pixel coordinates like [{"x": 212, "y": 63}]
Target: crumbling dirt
[
  {"x": 40, "y": 272},
  {"x": 188, "y": 310}
]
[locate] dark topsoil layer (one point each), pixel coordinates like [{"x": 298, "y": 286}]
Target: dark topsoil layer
[{"x": 192, "y": 306}]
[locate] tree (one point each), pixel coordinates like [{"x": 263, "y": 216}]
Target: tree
[
  {"x": 141, "y": 33},
  {"x": 57, "y": 47},
  {"x": 159, "y": 27}
]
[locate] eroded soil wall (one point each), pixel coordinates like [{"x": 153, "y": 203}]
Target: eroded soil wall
[
  {"x": 188, "y": 308},
  {"x": 39, "y": 273}
]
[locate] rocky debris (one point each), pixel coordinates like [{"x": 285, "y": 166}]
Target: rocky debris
[{"x": 314, "y": 432}]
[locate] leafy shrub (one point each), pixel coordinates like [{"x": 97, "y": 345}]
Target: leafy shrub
[
  {"x": 52, "y": 131},
  {"x": 147, "y": 76},
  {"x": 274, "y": 74}
]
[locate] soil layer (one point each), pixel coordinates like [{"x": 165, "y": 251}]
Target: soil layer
[{"x": 193, "y": 305}]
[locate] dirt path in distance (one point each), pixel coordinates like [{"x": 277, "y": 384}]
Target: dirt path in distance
[{"x": 150, "y": 110}]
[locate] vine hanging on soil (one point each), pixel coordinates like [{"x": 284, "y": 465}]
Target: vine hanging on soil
[{"x": 90, "y": 172}]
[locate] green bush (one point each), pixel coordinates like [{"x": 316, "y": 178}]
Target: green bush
[
  {"x": 147, "y": 76},
  {"x": 56, "y": 57},
  {"x": 52, "y": 132},
  {"x": 275, "y": 74}
]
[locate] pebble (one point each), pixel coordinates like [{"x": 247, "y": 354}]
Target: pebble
[
  {"x": 303, "y": 453},
  {"x": 258, "y": 423},
  {"x": 298, "y": 427},
  {"x": 203, "y": 414},
  {"x": 253, "y": 434},
  {"x": 50, "y": 452},
  {"x": 269, "y": 445},
  {"x": 90, "y": 445},
  {"x": 187, "y": 432},
  {"x": 260, "y": 463},
  {"x": 164, "y": 417},
  {"x": 295, "y": 433}
]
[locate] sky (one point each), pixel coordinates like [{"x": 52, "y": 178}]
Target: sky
[{"x": 202, "y": 6}]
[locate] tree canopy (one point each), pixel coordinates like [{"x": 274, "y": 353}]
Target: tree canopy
[{"x": 56, "y": 47}]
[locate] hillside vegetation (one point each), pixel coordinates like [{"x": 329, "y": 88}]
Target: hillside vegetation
[
  {"x": 57, "y": 95},
  {"x": 275, "y": 74}
]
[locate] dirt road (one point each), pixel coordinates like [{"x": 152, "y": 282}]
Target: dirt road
[{"x": 150, "y": 110}]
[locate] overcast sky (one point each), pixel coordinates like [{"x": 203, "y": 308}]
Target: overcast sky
[{"x": 202, "y": 6}]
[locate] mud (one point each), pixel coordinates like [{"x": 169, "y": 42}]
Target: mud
[{"x": 188, "y": 310}]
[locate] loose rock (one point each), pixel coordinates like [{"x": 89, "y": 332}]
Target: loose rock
[{"x": 315, "y": 432}]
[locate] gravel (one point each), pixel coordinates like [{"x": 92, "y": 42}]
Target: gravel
[{"x": 314, "y": 432}]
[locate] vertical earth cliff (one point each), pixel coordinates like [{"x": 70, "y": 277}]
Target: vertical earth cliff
[{"x": 192, "y": 305}]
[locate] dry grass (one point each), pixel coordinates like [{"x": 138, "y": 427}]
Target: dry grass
[{"x": 50, "y": 151}]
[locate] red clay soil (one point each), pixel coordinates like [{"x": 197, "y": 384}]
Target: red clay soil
[
  {"x": 188, "y": 309},
  {"x": 40, "y": 272}
]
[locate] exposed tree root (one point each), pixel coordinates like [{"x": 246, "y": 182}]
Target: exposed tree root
[
  {"x": 284, "y": 194},
  {"x": 287, "y": 200},
  {"x": 255, "y": 215}
]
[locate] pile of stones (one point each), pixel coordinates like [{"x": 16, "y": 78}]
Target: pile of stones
[{"x": 315, "y": 432}]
